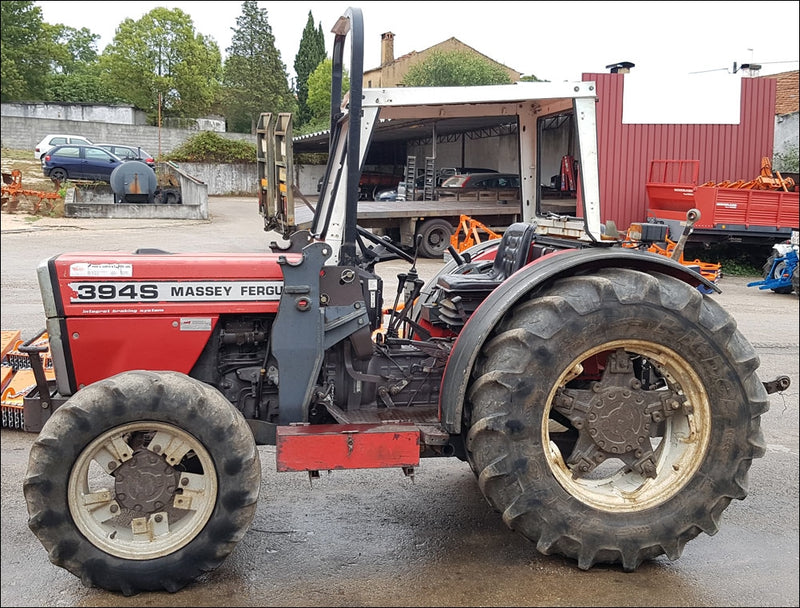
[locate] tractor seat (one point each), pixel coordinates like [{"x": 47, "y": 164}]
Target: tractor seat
[{"x": 512, "y": 254}]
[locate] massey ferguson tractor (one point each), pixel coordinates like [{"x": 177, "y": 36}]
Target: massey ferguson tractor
[{"x": 607, "y": 405}]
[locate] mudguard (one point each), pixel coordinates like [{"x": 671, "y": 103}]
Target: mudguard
[{"x": 543, "y": 270}]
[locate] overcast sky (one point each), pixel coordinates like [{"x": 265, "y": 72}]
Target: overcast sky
[{"x": 555, "y": 41}]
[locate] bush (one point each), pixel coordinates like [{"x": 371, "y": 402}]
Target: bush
[
  {"x": 209, "y": 147},
  {"x": 737, "y": 259},
  {"x": 787, "y": 161}
]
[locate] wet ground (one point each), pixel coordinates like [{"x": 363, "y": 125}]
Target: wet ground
[{"x": 378, "y": 538}]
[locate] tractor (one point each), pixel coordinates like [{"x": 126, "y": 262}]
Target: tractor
[{"x": 606, "y": 403}]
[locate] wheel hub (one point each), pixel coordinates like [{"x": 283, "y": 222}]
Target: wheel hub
[
  {"x": 145, "y": 483},
  {"x": 616, "y": 418}
]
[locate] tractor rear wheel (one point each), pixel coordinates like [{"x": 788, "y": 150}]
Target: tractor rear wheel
[
  {"x": 142, "y": 482},
  {"x": 614, "y": 417}
]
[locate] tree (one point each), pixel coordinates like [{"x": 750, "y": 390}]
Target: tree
[
  {"x": 310, "y": 54},
  {"x": 24, "y": 52},
  {"x": 319, "y": 96},
  {"x": 73, "y": 49},
  {"x": 161, "y": 56},
  {"x": 530, "y": 78},
  {"x": 454, "y": 69},
  {"x": 255, "y": 77},
  {"x": 75, "y": 68}
]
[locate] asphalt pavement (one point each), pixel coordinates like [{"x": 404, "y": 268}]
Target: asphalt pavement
[{"x": 378, "y": 538}]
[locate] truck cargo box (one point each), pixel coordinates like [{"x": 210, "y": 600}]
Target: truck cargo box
[{"x": 724, "y": 212}]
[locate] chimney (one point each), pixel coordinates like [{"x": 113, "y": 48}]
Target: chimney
[
  {"x": 623, "y": 67},
  {"x": 387, "y": 48}
]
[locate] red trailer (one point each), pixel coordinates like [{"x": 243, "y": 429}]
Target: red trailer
[{"x": 725, "y": 212}]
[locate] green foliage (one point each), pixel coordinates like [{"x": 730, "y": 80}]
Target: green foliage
[
  {"x": 80, "y": 87},
  {"x": 454, "y": 69},
  {"x": 161, "y": 56},
  {"x": 24, "y": 51},
  {"x": 75, "y": 75},
  {"x": 530, "y": 78},
  {"x": 209, "y": 147},
  {"x": 72, "y": 50},
  {"x": 310, "y": 54},
  {"x": 788, "y": 162},
  {"x": 14, "y": 85},
  {"x": 255, "y": 77},
  {"x": 319, "y": 97}
]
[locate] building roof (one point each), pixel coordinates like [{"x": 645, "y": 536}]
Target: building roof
[{"x": 786, "y": 92}]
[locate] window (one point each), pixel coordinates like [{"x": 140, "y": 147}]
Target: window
[
  {"x": 69, "y": 152},
  {"x": 57, "y": 141},
  {"x": 95, "y": 154}
]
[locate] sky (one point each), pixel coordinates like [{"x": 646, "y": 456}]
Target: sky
[{"x": 554, "y": 41}]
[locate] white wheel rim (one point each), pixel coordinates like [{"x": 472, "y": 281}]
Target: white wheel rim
[
  {"x": 132, "y": 532},
  {"x": 679, "y": 453}
]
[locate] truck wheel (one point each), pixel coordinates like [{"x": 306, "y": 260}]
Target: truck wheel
[
  {"x": 770, "y": 274},
  {"x": 436, "y": 235},
  {"x": 614, "y": 417},
  {"x": 142, "y": 482}
]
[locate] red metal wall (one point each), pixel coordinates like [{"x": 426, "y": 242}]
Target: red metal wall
[{"x": 725, "y": 151}]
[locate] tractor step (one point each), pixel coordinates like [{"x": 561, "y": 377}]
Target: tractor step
[{"x": 347, "y": 446}]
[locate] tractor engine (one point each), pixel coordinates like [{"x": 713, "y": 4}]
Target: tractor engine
[{"x": 236, "y": 362}]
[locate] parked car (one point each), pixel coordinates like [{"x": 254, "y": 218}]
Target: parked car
[
  {"x": 370, "y": 184},
  {"x": 446, "y": 172},
  {"x": 392, "y": 193},
  {"x": 79, "y": 162},
  {"x": 130, "y": 153},
  {"x": 480, "y": 187},
  {"x": 441, "y": 175},
  {"x": 49, "y": 141}
]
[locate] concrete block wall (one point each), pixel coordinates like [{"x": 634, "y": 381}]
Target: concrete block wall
[
  {"x": 83, "y": 112},
  {"x": 241, "y": 179},
  {"x": 23, "y": 133}
]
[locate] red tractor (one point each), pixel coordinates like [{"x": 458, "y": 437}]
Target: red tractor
[{"x": 608, "y": 406}]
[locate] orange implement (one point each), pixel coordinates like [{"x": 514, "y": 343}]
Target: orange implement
[
  {"x": 467, "y": 234},
  {"x": 9, "y": 340}
]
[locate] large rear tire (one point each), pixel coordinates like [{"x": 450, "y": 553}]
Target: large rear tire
[
  {"x": 613, "y": 417},
  {"x": 142, "y": 482}
]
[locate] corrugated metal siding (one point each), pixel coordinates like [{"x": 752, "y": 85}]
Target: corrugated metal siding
[{"x": 725, "y": 152}]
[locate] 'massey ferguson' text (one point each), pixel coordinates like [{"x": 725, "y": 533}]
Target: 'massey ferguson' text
[{"x": 174, "y": 291}]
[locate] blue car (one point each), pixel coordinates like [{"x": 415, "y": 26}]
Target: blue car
[{"x": 77, "y": 162}]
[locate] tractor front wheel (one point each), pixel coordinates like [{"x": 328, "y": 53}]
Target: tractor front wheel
[
  {"x": 142, "y": 482},
  {"x": 613, "y": 417}
]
